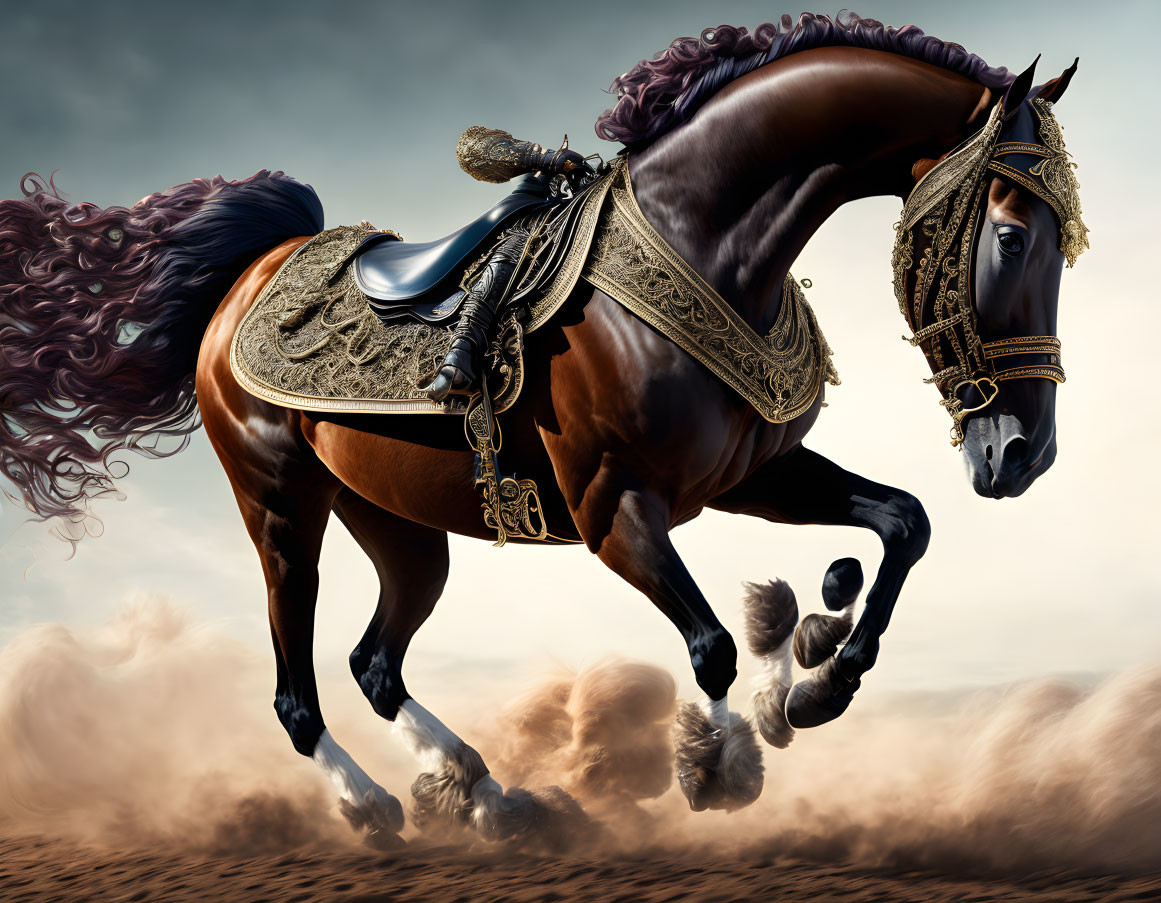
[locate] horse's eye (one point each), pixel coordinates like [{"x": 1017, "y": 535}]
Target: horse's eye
[
  {"x": 114, "y": 235},
  {"x": 1011, "y": 242}
]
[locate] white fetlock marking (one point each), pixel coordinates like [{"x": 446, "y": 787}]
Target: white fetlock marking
[
  {"x": 487, "y": 796},
  {"x": 484, "y": 787},
  {"x": 349, "y": 779},
  {"x": 718, "y": 712},
  {"x": 432, "y": 741},
  {"x": 777, "y": 668}
]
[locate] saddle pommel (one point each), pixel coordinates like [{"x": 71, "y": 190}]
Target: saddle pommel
[{"x": 491, "y": 155}]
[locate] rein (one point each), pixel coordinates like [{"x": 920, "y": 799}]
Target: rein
[{"x": 935, "y": 248}]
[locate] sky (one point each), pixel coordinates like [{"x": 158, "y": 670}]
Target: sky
[{"x": 365, "y": 101}]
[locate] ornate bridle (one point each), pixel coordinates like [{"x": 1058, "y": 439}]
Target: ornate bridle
[{"x": 935, "y": 249}]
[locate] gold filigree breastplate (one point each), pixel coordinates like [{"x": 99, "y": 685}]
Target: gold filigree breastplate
[{"x": 780, "y": 374}]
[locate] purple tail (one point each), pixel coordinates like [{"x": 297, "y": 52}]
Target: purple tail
[{"x": 101, "y": 316}]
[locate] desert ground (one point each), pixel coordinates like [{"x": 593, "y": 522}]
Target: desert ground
[
  {"x": 140, "y": 761},
  {"x": 39, "y": 868}
]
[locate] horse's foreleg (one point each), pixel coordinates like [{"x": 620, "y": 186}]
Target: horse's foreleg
[
  {"x": 803, "y": 487},
  {"x": 719, "y": 764}
]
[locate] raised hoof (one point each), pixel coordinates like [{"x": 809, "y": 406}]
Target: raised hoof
[
  {"x": 817, "y": 638},
  {"x": 378, "y": 815},
  {"x": 770, "y": 716},
  {"x": 771, "y": 613},
  {"x": 717, "y": 769},
  {"x": 820, "y": 698},
  {"x": 842, "y": 583},
  {"x": 450, "y": 380}
]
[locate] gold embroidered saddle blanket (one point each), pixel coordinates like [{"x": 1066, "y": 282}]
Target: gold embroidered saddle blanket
[{"x": 311, "y": 341}]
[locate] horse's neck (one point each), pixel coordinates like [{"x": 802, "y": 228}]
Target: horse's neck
[{"x": 740, "y": 189}]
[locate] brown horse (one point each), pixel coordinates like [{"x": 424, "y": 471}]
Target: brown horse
[{"x": 625, "y": 433}]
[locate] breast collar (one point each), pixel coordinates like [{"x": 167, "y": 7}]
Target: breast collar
[{"x": 935, "y": 249}]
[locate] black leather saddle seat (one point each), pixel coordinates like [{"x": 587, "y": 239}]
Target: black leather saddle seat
[{"x": 401, "y": 278}]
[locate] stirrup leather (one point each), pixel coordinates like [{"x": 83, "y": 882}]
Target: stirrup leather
[{"x": 511, "y": 506}]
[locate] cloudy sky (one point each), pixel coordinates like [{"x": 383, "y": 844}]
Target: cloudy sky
[{"x": 365, "y": 100}]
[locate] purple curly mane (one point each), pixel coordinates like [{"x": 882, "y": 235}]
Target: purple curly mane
[
  {"x": 101, "y": 316},
  {"x": 658, "y": 95}
]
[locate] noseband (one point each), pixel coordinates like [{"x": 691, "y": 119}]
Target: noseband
[{"x": 935, "y": 247}]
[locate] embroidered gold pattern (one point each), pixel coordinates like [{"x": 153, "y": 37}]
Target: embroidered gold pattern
[
  {"x": 780, "y": 374},
  {"x": 511, "y": 506},
  {"x": 310, "y": 341},
  {"x": 488, "y": 154},
  {"x": 1058, "y": 186}
]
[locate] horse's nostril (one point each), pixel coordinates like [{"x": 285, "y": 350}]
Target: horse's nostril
[
  {"x": 1016, "y": 449},
  {"x": 988, "y": 453}
]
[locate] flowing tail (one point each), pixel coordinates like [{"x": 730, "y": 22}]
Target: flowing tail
[{"x": 101, "y": 315}]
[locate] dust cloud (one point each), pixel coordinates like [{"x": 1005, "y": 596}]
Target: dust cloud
[
  {"x": 150, "y": 730},
  {"x": 154, "y": 730},
  {"x": 603, "y": 734}
]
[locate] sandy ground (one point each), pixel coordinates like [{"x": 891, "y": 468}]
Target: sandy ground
[
  {"x": 141, "y": 761},
  {"x": 40, "y": 868}
]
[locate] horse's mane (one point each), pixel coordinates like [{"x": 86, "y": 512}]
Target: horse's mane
[{"x": 659, "y": 94}]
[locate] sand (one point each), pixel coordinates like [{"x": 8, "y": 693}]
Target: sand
[
  {"x": 41, "y": 868},
  {"x": 141, "y": 761}
]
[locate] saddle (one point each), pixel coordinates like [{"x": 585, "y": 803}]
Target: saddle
[
  {"x": 315, "y": 339},
  {"x": 418, "y": 280}
]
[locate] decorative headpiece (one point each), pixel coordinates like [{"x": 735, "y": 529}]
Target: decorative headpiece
[
  {"x": 935, "y": 249},
  {"x": 1050, "y": 177}
]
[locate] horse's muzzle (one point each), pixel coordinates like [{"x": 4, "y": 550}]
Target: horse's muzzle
[{"x": 1003, "y": 457}]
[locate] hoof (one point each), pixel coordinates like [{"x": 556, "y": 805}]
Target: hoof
[
  {"x": 379, "y": 816},
  {"x": 383, "y": 841},
  {"x": 770, "y": 716},
  {"x": 842, "y": 583},
  {"x": 442, "y": 800},
  {"x": 820, "y": 698},
  {"x": 548, "y": 819},
  {"x": 717, "y": 769},
  {"x": 771, "y": 613},
  {"x": 817, "y": 638}
]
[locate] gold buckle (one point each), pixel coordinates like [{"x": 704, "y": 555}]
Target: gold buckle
[
  {"x": 957, "y": 416},
  {"x": 988, "y": 399}
]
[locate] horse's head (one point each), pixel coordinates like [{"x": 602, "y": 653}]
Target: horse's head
[{"x": 981, "y": 246}]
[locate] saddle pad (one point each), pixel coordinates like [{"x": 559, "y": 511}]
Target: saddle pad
[{"x": 311, "y": 341}]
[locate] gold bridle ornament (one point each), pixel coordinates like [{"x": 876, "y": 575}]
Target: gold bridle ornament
[{"x": 935, "y": 248}]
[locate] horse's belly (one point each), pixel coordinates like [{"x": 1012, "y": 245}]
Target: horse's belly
[{"x": 431, "y": 478}]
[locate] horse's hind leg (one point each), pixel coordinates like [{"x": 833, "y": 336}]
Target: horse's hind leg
[
  {"x": 803, "y": 487},
  {"x": 286, "y": 510},
  {"x": 457, "y": 789}
]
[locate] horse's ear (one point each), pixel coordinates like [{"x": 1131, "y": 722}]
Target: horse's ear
[
  {"x": 1053, "y": 90},
  {"x": 1018, "y": 90}
]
